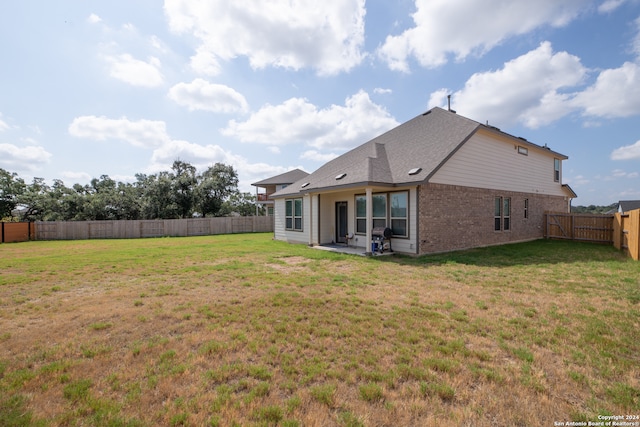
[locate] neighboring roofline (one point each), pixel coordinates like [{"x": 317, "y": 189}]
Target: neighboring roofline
[{"x": 283, "y": 178}]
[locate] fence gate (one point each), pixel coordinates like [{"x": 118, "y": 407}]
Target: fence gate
[{"x": 585, "y": 227}]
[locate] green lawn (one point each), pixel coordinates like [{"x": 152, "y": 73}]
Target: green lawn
[{"x": 242, "y": 330}]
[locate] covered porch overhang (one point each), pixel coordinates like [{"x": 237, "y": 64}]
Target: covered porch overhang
[{"x": 324, "y": 222}]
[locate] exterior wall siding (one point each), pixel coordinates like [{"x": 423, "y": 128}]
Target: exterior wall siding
[
  {"x": 281, "y": 233},
  {"x": 487, "y": 161},
  {"x": 455, "y": 217}
]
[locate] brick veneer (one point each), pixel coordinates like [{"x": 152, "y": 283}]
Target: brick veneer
[{"x": 454, "y": 217}]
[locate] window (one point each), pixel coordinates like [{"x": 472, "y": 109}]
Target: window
[
  {"x": 293, "y": 214},
  {"x": 526, "y": 208},
  {"x": 502, "y": 214},
  {"x": 556, "y": 170},
  {"x": 506, "y": 214},
  {"x": 399, "y": 213},
  {"x": 389, "y": 210},
  {"x": 361, "y": 214},
  {"x": 523, "y": 150},
  {"x": 379, "y": 210}
]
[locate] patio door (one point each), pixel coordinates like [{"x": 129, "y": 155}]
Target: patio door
[{"x": 341, "y": 222}]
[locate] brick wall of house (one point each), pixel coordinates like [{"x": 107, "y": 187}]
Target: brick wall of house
[{"x": 455, "y": 217}]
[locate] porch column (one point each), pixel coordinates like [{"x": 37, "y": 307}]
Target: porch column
[
  {"x": 312, "y": 223},
  {"x": 369, "y": 220}
]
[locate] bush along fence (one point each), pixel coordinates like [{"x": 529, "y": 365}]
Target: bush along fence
[
  {"x": 620, "y": 230},
  {"x": 135, "y": 229}
]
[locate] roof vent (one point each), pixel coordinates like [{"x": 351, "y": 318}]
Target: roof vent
[
  {"x": 306, "y": 184},
  {"x": 415, "y": 171},
  {"x": 342, "y": 175},
  {"x": 449, "y": 104}
]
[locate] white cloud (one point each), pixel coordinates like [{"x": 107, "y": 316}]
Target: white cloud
[
  {"x": 298, "y": 121},
  {"x": 94, "y": 19},
  {"x": 202, "y": 95},
  {"x": 3, "y": 125},
  {"x": 382, "y": 91},
  {"x": 27, "y": 158},
  {"x": 616, "y": 93},
  {"x": 627, "y": 152},
  {"x": 577, "y": 180},
  {"x": 76, "y": 177},
  {"x": 141, "y": 133},
  {"x": 327, "y": 36},
  {"x": 465, "y": 27},
  {"x": 525, "y": 90},
  {"x": 135, "y": 72},
  {"x": 610, "y": 5},
  {"x": 317, "y": 156}
]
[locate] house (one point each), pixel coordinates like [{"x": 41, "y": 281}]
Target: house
[
  {"x": 440, "y": 182},
  {"x": 273, "y": 184},
  {"x": 628, "y": 205}
]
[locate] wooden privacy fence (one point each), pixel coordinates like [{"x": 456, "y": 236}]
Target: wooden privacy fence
[
  {"x": 11, "y": 232},
  {"x": 585, "y": 227},
  {"x": 620, "y": 230},
  {"x": 626, "y": 236},
  {"x": 133, "y": 229}
]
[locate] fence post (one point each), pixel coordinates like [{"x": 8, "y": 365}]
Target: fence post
[
  {"x": 634, "y": 234},
  {"x": 617, "y": 230}
]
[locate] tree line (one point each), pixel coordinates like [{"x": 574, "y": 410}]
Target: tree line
[{"x": 181, "y": 192}]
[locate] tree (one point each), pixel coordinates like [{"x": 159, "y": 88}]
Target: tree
[
  {"x": 158, "y": 198},
  {"x": 215, "y": 185},
  {"x": 184, "y": 186},
  {"x": 243, "y": 204},
  {"x": 11, "y": 188},
  {"x": 34, "y": 201}
]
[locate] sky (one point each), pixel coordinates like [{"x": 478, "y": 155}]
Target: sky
[{"x": 117, "y": 88}]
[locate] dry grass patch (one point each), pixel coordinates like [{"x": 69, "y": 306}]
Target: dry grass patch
[{"x": 242, "y": 330}]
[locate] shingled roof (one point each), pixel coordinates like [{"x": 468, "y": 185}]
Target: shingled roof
[
  {"x": 284, "y": 178},
  {"x": 629, "y": 205},
  {"x": 410, "y": 153}
]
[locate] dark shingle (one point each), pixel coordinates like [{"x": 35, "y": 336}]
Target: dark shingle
[{"x": 285, "y": 178}]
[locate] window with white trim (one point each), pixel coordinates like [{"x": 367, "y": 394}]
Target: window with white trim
[
  {"x": 293, "y": 214},
  {"x": 556, "y": 170},
  {"x": 389, "y": 210}
]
